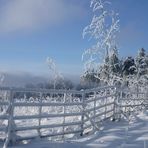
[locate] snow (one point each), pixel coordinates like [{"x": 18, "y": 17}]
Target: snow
[{"x": 118, "y": 134}]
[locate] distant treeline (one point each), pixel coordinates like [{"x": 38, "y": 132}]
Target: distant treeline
[
  {"x": 65, "y": 84},
  {"x": 116, "y": 71}
]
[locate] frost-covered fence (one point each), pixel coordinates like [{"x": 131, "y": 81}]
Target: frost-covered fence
[
  {"x": 4, "y": 105},
  {"x": 99, "y": 104},
  {"x": 131, "y": 101},
  {"x": 58, "y": 114},
  {"x": 40, "y": 113}
]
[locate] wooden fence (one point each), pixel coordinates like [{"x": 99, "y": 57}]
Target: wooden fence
[
  {"x": 31, "y": 113},
  {"x": 131, "y": 101}
]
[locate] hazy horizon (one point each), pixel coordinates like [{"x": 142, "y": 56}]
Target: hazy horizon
[{"x": 22, "y": 78}]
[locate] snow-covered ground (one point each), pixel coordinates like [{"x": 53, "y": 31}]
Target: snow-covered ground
[{"x": 111, "y": 135}]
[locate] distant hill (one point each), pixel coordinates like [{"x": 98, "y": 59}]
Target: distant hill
[{"x": 20, "y": 80}]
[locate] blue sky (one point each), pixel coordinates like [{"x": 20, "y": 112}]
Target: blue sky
[{"x": 32, "y": 30}]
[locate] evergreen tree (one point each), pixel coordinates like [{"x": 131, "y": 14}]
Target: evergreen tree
[
  {"x": 142, "y": 69},
  {"x": 89, "y": 79},
  {"x": 115, "y": 63},
  {"x": 141, "y": 63},
  {"x": 129, "y": 67},
  {"x": 110, "y": 70}
]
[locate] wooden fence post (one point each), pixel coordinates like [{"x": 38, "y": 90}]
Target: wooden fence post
[
  {"x": 105, "y": 116},
  {"x": 94, "y": 109},
  {"x": 64, "y": 101},
  {"x": 116, "y": 112},
  {"x": 119, "y": 104},
  {"x": 83, "y": 112},
  {"x": 10, "y": 136},
  {"x": 40, "y": 112}
]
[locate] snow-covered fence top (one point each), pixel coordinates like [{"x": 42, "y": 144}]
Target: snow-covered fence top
[{"x": 28, "y": 113}]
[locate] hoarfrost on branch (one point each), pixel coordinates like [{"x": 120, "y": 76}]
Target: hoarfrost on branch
[{"x": 102, "y": 30}]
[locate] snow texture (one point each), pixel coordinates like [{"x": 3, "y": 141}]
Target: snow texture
[{"x": 112, "y": 135}]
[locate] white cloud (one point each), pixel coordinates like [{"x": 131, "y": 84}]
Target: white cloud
[{"x": 32, "y": 14}]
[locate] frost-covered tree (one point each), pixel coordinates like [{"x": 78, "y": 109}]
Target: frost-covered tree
[
  {"x": 135, "y": 71},
  {"x": 141, "y": 63},
  {"x": 128, "y": 72},
  {"x": 57, "y": 76},
  {"x": 142, "y": 68},
  {"x": 2, "y": 78},
  {"x": 110, "y": 70},
  {"x": 115, "y": 62},
  {"x": 102, "y": 30},
  {"x": 129, "y": 67},
  {"x": 90, "y": 79}
]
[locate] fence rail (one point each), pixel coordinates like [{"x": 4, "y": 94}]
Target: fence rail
[{"x": 47, "y": 113}]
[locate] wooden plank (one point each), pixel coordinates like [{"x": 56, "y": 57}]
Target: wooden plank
[
  {"x": 47, "y": 126},
  {"x": 46, "y": 116},
  {"x": 3, "y": 103},
  {"x": 132, "y": 105},
  {"x": 34, "y": 104},
  {"x": 100, "y": 114},
  {"x": 98, "y": 107},
  {"x": 4, "y": 117},
  {"x": 100, "y": 98},
  {"x": 3, "y": 128}
]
